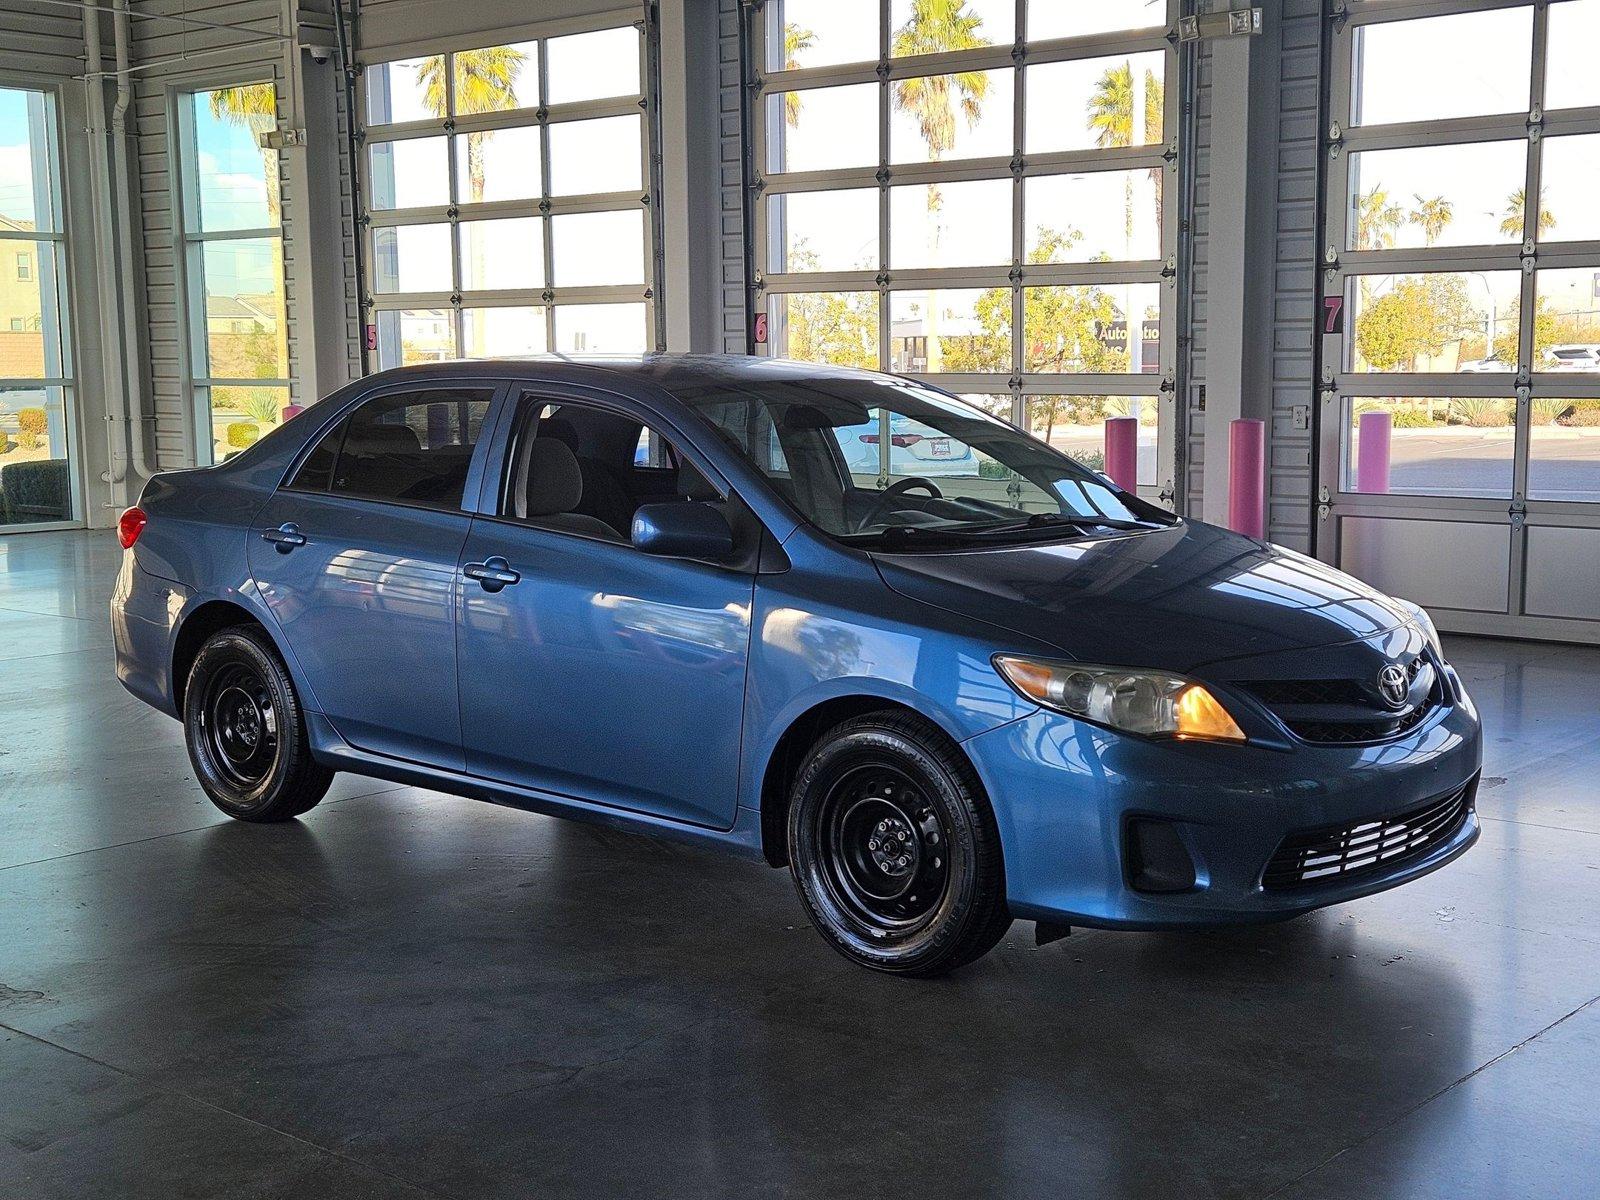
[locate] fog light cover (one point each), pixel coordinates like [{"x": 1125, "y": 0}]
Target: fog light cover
[{"x": 1158, "y": 861}]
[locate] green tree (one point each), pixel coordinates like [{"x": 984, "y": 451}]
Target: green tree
[
  {"x": 1512, "y": 222},
  {"x": 253, "y": 106},
  {"x": 795, "y": 41},
  {"x": 1111, "y": 120},
  {"x": 1433, "y": 215},
  {"x": 486, "y": 81},
  {"x": 830, "y": 327},
  {"x": 1377, "y": 219},
  {"x": 936, "y": 103},
  {"x": 1420, "y": 315}
]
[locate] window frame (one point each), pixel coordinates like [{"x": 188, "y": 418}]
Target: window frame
[
  {"x": 189, "y": 242},
  {"x": 544, "y": 207},
  {"x": 884, "y": 281}
]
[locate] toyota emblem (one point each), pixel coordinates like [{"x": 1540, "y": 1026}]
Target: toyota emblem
[{"x": 1393, "y": 685}]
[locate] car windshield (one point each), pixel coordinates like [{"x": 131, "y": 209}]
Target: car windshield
[{"x": 894, "y": 463}]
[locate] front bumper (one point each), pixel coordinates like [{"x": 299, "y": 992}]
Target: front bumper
[{"x": 1064, "y": 791}]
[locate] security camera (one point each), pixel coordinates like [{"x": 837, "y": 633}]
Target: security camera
[{"x": 320, "y": 54}]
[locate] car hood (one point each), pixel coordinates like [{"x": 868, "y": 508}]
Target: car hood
[{"x": 1173, "y": 598}]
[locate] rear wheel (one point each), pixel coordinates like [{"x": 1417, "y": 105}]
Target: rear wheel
[
  {"x": 245, "y": 731},
  {"x": 894, "y": 850}
]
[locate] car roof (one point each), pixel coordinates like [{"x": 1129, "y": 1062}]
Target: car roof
[{"x": 680, "y": 374}]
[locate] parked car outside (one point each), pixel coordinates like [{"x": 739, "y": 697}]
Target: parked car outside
[{"x": 965, "y": 697}]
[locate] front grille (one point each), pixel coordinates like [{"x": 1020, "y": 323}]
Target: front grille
[
  {"x": 1347, "y": 851},
  {"x": 1341, "y": 712}
]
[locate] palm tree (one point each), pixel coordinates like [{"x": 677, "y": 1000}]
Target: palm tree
[
  {"x": 936, "y": 102},
  {"x": 795, "y": 42},
  {"x": 1111, "y": 120},
  {"x": 1512, "y": 223},
  {"x": 486, "y": 81},
  {"x": 1377, "y": 219},
  {"x": 1433, "y": 215},
  {"x": 254, "y": 106}
]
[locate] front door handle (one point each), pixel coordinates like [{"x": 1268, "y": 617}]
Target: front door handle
[
  {"x": 285, "y": 537},
  {"x": 493, "y": 573}
]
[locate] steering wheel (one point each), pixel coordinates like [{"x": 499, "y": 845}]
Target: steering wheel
[{"x": 898, "y": 488}]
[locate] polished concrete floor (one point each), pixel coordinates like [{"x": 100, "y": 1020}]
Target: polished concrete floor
[{"x": 406, "y": 994}]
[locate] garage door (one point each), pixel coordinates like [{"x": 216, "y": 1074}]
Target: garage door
[{"x": 1459, "y": 443}]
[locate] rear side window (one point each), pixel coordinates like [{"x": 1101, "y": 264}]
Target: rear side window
[{"x": 408, "y": 448}]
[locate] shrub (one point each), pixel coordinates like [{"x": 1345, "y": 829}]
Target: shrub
[
  {"x": 32, "y": 424},
  {"x": 990, "y": 468},
  {"x": 1095, "y": 460},
  {"x": 1585, "y": 414},
  {"x": 242, "y": 434},
  {"x": 1547, "y": 412},
  {"x": 1413, "y": 418},
  {"x": 5, "y": 442},
  {"x": 1480, "y": 414}
]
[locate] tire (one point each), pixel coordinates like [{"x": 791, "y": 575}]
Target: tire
[
  {"x": 893, "y": 847},
  {"x": 245, "y": 732}
]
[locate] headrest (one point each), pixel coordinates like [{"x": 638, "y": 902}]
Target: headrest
[
  {"x": 694, "y": 485},
  {"x": 554, "y": 482},
  {"x": 561, "y": 430},
  {"x": 382, "y": 439}
]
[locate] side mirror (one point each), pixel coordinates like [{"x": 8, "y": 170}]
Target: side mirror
[{"x": 685, "y": 529}]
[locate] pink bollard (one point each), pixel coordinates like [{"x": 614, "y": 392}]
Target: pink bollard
[
  {"x": 1247, "y": 477},
  {"x": 1373, "y": 433},
  {"x": 1122, "y": 452},
  {"x": 292, "y": 410}
]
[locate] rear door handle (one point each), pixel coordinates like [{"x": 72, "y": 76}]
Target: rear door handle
[
  {"x": 493, "y": 573},
  {"x": 285, "y": 537}
]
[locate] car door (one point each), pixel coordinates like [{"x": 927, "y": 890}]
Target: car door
[
  {"x": 589, "y": 668},
  {"x": 357, "y": 557}
]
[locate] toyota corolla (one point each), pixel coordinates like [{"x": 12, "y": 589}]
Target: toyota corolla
[{"x": 670, "y": 594}]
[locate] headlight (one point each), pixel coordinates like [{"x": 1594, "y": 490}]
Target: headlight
[
  {"x": 1425, "y": 623},
  {"x": 1151, "y": 703}
]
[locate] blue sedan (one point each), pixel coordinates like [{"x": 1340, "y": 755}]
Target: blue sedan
[{"x": 668, "y": 594}]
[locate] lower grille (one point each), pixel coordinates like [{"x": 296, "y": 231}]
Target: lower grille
[{"x": 1346, "y": 851}]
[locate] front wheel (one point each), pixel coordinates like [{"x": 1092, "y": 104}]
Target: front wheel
[
  {"x": 894, "y": 850},
  {"x": 245, "y": 732}
]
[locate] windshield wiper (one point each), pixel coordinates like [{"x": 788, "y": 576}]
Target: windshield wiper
[{"x": 1046, "y": 520}]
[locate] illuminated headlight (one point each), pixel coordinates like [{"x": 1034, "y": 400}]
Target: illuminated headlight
[
  {"x": 1424, "y": 622},
  {"x": 1151, "y": 703}
]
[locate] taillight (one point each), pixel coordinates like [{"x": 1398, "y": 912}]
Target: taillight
[{"x": 130, "y": 525}]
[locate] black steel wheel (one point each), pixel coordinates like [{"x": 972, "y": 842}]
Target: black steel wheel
[
  {"x": 245, "y": 732},
  {"x": 893, "y": 847}
]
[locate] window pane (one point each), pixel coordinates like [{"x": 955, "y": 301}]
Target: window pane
[
  {"x": 937, "y": 117},
  {"x": 1054, "y": 19},
  {"x": 35, "y": 480},
  {"x": 601, "y": 329},
  {"x": 950, "y": 224},
  {"x": 1566, "y": 329},
  {"x": 981, "y": 23},
  {"x": 30, "y": 330},
  {"x": 411, "y": 89},
  {"x": 1570, "y": 183},
  {"x": 591, "y": 66},
  {"x": 823, "y": 128},
  {"x": 1085, "y": 328},
  {"x": 1437, "y": 447},
  {"x": 1075, "y": 425},
  {"x": 1570, "y": 80},
  {"x": 1440, "y": 67},
  {"x": 1564, "y": 453},
  {"x": 240, "y": 416},
  {"x": 598, "y": 249},
  {"x": 411, "y": 258},
  {"x": 407, "y": 336},
  {"x": 498, "y": 164},
  {"x": 596, "y": 156},
  {"x": 25, "y": 143},
  {"x": 967, "y": 329},
  {"x": 502, "y": 254},
  {"x": 827, "y": 327},
  {"x": 245, "y": 336},
  {"x": 496, "y": 78},
  {"x": 503, "y": 332},
  {"x": 1439, "y": 321},
  {"x": 235, "y": 181},
  {"x": 1462, "y": 195},
  {"x": 1091, "y": 103},
  {"x": 823, "y": 231},
  {"x": 815, "y": 33},
  {"x": 409, "y": 174},
  {"x": 995, "y": 406},
  {"x": 1093, "y": 217},
  {"x": 412, "y": 449}
]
